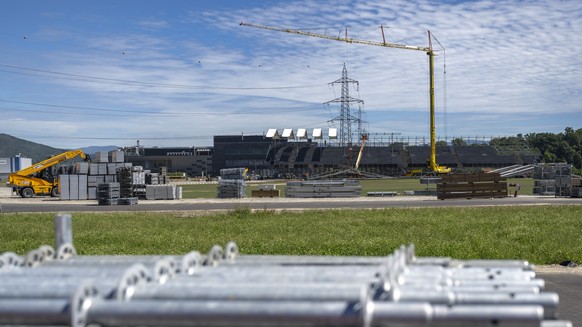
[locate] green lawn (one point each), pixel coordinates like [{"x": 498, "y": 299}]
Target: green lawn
[
  {"x": 540, "y": 234},
  {"x": 208, "y": 191}
]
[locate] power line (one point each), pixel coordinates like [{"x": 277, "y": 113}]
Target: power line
[
  {"x": 134, "y": 112},
  {"x": 133, "y": 82}
]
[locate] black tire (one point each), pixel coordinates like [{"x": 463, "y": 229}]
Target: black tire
[
  {"x": 27, "y": 192},
  {"x": 55, "y": 192}
]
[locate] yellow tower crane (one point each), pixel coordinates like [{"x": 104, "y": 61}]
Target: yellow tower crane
[{"x": 432, "y": 164}]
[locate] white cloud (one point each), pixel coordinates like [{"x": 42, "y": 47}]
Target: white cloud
[{"x": 504, "y": 60}]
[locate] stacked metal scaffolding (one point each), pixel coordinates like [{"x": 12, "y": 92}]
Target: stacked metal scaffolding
[
  {"x": 232, "y": 183},
  {"x": 108, "y": 193},
  {"x": 553, "y": 179},
  {"x": 223, "y": 288},
  {"x": 323, "y": 189},
  {"x": 163, "y": 192}
]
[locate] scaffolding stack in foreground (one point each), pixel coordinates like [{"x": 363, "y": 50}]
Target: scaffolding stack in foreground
[{"x": 223, "y": 288}]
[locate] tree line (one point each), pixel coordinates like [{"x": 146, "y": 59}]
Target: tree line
[{"x": 561, "y": 147}]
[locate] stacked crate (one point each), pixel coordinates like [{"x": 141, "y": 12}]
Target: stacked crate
[
  {"x": 553, "y": 179},
  {"x": 139, "y": 182},
  {"x": 124, "y": 176},
  {"x": 108, "y": 193},
  {"x": 232, "y": 183},
  {"x": 323, "y": 189}
]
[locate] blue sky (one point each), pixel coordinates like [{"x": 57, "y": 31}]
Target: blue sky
[{"x": 175, "y": 73}]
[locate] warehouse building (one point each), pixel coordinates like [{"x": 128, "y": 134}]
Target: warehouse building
[
  {"x": 12, "y": 165},
  {"x": 194, "y": 161}
]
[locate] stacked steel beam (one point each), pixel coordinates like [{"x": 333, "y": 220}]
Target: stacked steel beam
[
  {"x": 323, "y": 189},
  {"x": 224, "y": 288}
]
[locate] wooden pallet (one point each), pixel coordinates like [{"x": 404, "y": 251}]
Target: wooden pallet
[{"x": 469, "y": 186}]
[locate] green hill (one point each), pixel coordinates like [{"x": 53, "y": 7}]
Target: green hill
[{"x": 11, "y": 146}]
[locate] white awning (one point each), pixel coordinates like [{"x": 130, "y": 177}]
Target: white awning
[
  {"x": 272, "y": 133},
  {"x": 317, "y": 133},
  {"x": 333, "y": 133},
  {"x": 288, "y": 133},
  {"x": 302, "y": 133}
]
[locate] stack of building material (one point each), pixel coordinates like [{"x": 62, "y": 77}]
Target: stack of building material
[
  {"x": 117, "y": 156},
  {"x": 266, "y": 191},
  {"x": 152, "y": 178},
  {"x": 553, "y": 179},
  {"x": 108, "y": 193},
  {"x": 576, "y": 191},
  {"x": 73, "y": 187},
  {"x": 163, "y": 192},
  {"x": 101, "y": 156},
  {"x": 139, "y": 182},
  {"x": 481, "y": 185},
  {"x": 563, "y": 179},
  {"x": 81, "y": 179},
  {"x": 233, "y": 173},
  {"x": 224, "y": 288},
  {"x": 232, "y": 183},
  {"x": 125, "y": 180},
  {"x": 323, "y": 189}
]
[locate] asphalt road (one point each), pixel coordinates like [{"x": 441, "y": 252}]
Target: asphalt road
[
  {"x": 569, "y": 288},
  {"x": 15, "y": 204}
]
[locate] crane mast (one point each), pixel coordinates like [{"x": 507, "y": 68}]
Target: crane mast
[{"x": 432, "y": 164}]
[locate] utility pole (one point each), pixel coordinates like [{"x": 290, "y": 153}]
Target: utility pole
[{"x": 346, "y": 118}]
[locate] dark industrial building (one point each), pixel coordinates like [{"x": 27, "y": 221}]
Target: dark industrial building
[{"x": 266, "y": 157}]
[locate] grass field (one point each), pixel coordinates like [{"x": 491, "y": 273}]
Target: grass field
[
  {"x": 540, "y": 234},
  {"x": 208, "y": 191}
]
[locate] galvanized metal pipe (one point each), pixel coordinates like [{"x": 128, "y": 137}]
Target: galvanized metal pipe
[
  {"x": 549, "y": 301},
  {"x": 187, "y": 264},
  {"x": 264, "y": 260},
  {"x": 117, "y": 286},
  {"x": 424, "y": 314},
  {"x": 63, "y": 229},
  {"x": 224, "y": 313},
  {"x": 49, "y": 311},
  {"x": 251, "y": 292}
]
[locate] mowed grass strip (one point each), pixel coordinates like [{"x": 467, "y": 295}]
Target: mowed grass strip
[{"x": 540, "y": 234}]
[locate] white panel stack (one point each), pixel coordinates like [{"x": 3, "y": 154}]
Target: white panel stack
[
  {"x": 73, "y": 187},
  {"x": 64, "y": 187},
  {"x": 117, "y": 156},
  {"x": 178, "y": 193},
  {"x": 102, "y": 168},
  {"x": 82, "y": 190},
  {"x": 82, "y": 168},
  {"x": 102, "y": 156},
  {"x": 92, "y": 193},
  {"x": 93, "y": 169},
  {"x": 161, "y": 192}
]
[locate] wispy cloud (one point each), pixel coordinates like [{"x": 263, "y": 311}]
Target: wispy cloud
[{"x": 508, "y": 63}]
